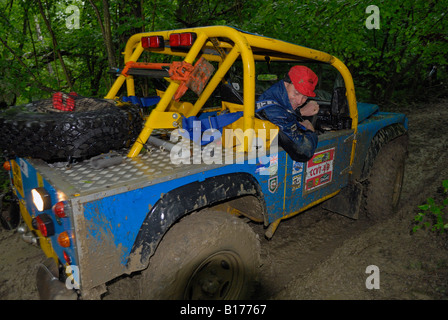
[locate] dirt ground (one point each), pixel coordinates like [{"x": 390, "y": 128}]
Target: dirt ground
[{"x": 321, "y": 255}]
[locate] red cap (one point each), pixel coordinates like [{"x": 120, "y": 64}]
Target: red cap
[{"x": 304, "y": 80}]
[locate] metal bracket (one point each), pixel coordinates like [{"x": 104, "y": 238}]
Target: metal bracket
[
  {"x": 220, "y": 50},
  {"x": 164, "y": 119},
  {"x": 350, "y": 138},
  {"x": 346, "y": 170}
]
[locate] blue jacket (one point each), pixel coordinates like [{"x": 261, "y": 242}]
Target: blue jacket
[{"x": 295, "y": 139}]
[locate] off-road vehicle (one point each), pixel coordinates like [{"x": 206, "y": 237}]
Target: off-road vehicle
[{"x": 170, "y": 189}]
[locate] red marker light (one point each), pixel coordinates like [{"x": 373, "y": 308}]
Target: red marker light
[
  {"x": 175, "y": 40},
  {"x": 182, "y": 39},
  {"x": 67, "y": 257},
  {"x": 152, "y": 42},
  {"x": 45, "y": 224},
  {"x": 59, "y": 209},
  {"x": 187, "y": 39}
]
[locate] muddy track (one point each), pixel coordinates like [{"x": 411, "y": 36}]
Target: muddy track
[{"x": 321, "y": 255}]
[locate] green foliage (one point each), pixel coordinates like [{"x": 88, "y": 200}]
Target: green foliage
[
  {"x": 432, "y": 214},
  {"x": 4, "y": 179},
  {"x": 4, "y": 184},
  {"x": 391, "y": 63},
  {"x": 388, "y": 63}
]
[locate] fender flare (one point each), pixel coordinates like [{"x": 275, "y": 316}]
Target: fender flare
[
  {"x": 381, "y": 138},
  {"x": 181, "y": 201}
]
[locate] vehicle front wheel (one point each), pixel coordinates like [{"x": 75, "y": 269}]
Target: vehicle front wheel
[
  {"x": 208, "y": 255},
  {"x": 383, "y": 186}
]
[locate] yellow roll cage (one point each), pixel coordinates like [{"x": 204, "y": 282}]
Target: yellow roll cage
[{"x": 224, "y": 45}]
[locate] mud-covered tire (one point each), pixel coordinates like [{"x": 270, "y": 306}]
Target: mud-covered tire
[
  {"x": 54, "y": 136},
  {"x": 383, "y": 186},
  {"x": 207, "y": 255}
]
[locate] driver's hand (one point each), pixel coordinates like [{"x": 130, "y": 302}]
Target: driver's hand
[
  {"x": 307, "y": 124},
  {"x": 310, "y": 109}
]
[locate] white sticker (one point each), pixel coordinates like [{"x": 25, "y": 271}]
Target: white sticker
[{"x": 23, "y": 167}]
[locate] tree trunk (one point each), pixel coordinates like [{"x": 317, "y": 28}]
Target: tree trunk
[
  {"x": 55, "y": 45},
  {"x": 105, "y": 30}
]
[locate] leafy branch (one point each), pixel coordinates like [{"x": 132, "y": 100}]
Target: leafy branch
[{"x": 432, "y": 215}]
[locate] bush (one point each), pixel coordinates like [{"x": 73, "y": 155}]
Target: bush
[
  {"x": 432, "y": 215},
  {"x": 4, "y": 178}
]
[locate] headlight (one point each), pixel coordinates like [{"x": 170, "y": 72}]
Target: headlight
[{"x": 41, "y": 198}]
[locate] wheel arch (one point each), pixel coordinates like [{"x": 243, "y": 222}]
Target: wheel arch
[
  {"x": 381, "y": 138},
  {"x": 211, "y": 192}
]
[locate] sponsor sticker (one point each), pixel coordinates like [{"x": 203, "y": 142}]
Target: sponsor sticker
[
  {"x": 319, "y": 169},
  {"x": 273, "y": 184},
  {"x": 296, "y": 182},
  {"x": 297, "y": 167}
]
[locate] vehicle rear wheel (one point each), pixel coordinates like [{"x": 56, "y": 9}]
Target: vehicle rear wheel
[
  {"x": 383, "y": 186},
  {"x": 208, "y": 255}
]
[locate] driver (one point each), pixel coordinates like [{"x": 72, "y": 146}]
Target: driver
[{"x": 278, "y": 104}]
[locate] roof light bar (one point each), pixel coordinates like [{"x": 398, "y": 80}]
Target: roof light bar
[
  {"x": 182, "y": 39},
  {"x": 153, "y": 42}
]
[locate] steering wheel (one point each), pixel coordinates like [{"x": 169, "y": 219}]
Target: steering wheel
[
  {"x": 314, "y": 118},
  {"x": 314, "y": 121}
]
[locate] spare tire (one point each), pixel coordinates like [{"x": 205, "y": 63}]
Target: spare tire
[{"x": 95, "y": 126}]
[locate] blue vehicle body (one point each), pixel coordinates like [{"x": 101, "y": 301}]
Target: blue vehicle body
[{"x": 112, "y": 218}]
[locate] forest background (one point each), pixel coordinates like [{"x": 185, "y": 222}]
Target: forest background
[{"x": 397, "y": 51}]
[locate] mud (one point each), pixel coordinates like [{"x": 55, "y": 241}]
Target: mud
[{"x": 321, "y": 255}]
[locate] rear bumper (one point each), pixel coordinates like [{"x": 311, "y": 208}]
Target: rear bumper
[{"x": 48, "y": 284}]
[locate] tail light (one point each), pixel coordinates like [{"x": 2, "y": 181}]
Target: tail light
[
  {"x": 64, "y": 239},
  {"x": 153, "y": 42},
  {"x": 7, "y": 165},
  {"x": 59, "y": 209},
  {"x": 67, "y": 257},
  {"x": 182, "y": 39},
  {"x": 44, "y": 224}
]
